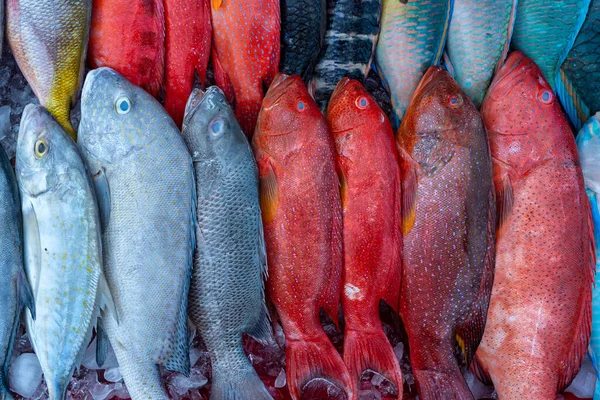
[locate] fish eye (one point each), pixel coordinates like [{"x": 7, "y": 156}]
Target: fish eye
[
  {"x": 301, "y": 106},
  {"x": 40, "y": 148},
  {"x": 455, "y": 100},
  {"x": 123, "y": 105},
  {"x": 545, "y": 96},
  {"x": 217, "y": 127},
  {"x": 362, "y": 102}
]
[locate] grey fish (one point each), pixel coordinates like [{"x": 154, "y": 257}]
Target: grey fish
[
  {"x": 63, "y": 250},
  {"x": 349, "y": 45},
  {"x": 145, "y": 185},
  {"x": 230, "y": 248},
  {"x": 15, "y": 293}
]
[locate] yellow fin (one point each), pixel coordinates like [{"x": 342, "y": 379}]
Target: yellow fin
[
  {"x": 269, "y": 195},
  {"x": 409, "y": 190},
  {"x": 461, "y": 344},
  {"x": 216, "y": 4}
]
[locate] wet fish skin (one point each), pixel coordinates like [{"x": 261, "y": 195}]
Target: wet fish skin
[
  {"x": 303, "y": 25},
  {"x": 230, "y": 251},
  {"x": 367, "y": 161},
  {"x": 129, "y": 36},
  {"x": 477, "y": 42},
  {"x": 540, "y": 309},
  {"x": 144, "y": 178},
  {"x": 49, "y": 41},
  {"x": 302, "y": 218},
  {"x": 15, "y": 293},
  {"x": 63, "y": 250},
  {"x": 448, "y": 203},
  {"x": 349, "y": 45}
]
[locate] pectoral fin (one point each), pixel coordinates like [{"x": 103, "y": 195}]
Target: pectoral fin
[
  {"x": 32, "y": 243},
  {"x": 103, "y": 197},
  {"x": 25, "y": 295},
  {"x": 269, "y": 192},
  {"x": 216, "y": 4},
  {"x": 106, "y": 298},
  {"x": 408, "y": 169}
]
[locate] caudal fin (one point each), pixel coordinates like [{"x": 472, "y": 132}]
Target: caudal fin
[
  {"x": 316, "y": 358},
  {"x": 233, "y": 384},
  {"x": 437, "y": 385},
  {"x": 371, "y": 350}
]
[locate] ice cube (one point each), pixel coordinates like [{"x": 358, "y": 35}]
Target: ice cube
[
  {"x": 25, "y": 375},
  {"x": 195, "y": 355},
  {"x": 182, "y": 385},
  {"x": 89, "y": 358},
  {"x": 399, "y": 350},
  {"x": 584, "y": 383},
  {"x": 113, "y": 375},
  {"x": 479, "y": 390},
  {"x": 370, "y": 394},
  {"x": 281, "y": 380}
]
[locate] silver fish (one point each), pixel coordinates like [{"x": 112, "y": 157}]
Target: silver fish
[
  {"x": 15, "y": 293},
  {"x": 230, "y": 249},
  {"x": 146, "y": 192},
  {"x": 63, "y": 251}
]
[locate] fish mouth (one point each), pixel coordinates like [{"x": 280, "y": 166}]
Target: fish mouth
[
  {"x": 507, "y": 77},
  {"x": 339, "y": 89},
  {"x": 425, "y": 84}
]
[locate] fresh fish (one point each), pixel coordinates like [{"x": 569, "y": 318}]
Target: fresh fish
[
  {"x": 144, "y": 179},
  {"x": 246, "y": 47},
  {"x": 370, "y": 190},
  {"x": 545, "y": 31},
  {"x": 478, "y": 39},
  {"x": 449, "y": 205},
  {"x": 129, "y": 36},
  {"x": 49, "y": 41},
  {"x": 189, "y": 29},
  {"x": 588, "y": 144},
  {"x": 230, "y": 250},
  {"x": 412, "y": 38},
  {"x": 15, "y": 293},
  {"x": 349, "y": 45},
  {"x": 63, "y": 249},
  {"x": 538, "y": 324},
  {"x": 581, "y": 70},
  {"x": 302, "y": 217},
  {"x": 303, "y": 24}
]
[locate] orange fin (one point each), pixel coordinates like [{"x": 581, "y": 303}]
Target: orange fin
[
  {"x": 314, "y": 359},
  {"x": 504, "y": 191},
  {"x": 269, "y": 191},
  {"x": 222, "y": 78},
  {"x": 408, "y": 169},
  {"x": 216, "y": 4}
]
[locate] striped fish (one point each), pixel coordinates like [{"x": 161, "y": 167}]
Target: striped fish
[
  {"x": 412, "y": 38},
  {"x": 348, "y": 47},
  {"x": 477, "y": 43},
  {"x": 588, "y": 144}
]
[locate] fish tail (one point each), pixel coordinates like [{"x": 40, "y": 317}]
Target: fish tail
[
  {"x": 509, "y": 33},
  {"x": 371, "y": 350},
  {"x": 573, "y": 105},
  {"x": 437, "y": 385},
  {"x": 441, "y": 43},
  {"x": 316, "y": 358},
  {"x": 57, "y": 388},
  {"x": 234, "y": 384}
]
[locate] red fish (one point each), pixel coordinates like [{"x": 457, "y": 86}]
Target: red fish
[
  {"x": 448, "y": 223},
  {"x": 302, "y": 217},
  {"x": 188, "y": 40},
  {"x": 129, "y": 37},
  {"x": 246, "y": 53},
  {"x": 538, "y": 325},
  {"x": 370, "y": 189}
]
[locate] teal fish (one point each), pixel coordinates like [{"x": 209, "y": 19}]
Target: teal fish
[
  {"x": 412, "y": 38},
  {"x": 477, "y": 43}
]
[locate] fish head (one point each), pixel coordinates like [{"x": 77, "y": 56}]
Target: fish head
[{"x": 45, "y": 152}]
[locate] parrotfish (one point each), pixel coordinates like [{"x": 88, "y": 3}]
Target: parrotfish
[
  {"x": 63, "y": 248},
  {"x": 144, "y": 179},
  {"x": 448, "y": 221},
  {"x": 246, "y": 51},
  {"x": 367, "y": 159},
  {"x": 349, "y": 45},
  {"x": 188, "y": 40},
  {"x": 478, "y": 39},
  {"x": 129, "y": 36},
  {"x": 15, "y": 290},
  {"x": 303, "y": 24},
  {"x": 588, "y": 145},
  {"x": 538, "y": 324},
  {"x": 412, "y": 38},
  {"x": 49, "y": 41},
  {"x": 302, "y": 217},
  {"x": 230, "y": 250}
]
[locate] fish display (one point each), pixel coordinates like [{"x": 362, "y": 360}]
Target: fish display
[
  {"x": 144, "y": 180},
  {"x": 302, "y": 217},
  {"x": 348, "y": 47},
  {"x": 412, "y": 39},
  {"x": 49, "y": 41},
  {"x": 581, "y": 70},
  {"x": 371, "y": 202},
  {"x": 588, "y": 144},
  {"x": 540, "y": 309},
  {"x": 187, "y": 51},
  {"x": 303, "y": 25},
  {"x": 15, "y": 291},
  {"x": 63, "y": 249},
  {"x": 230, "y": 250},
  {"x": 477, "y": 43},
  {"x": 246, "y": 52},
  {"x": 129, "y": 37},
  {"x": 448, "y": 203}
]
